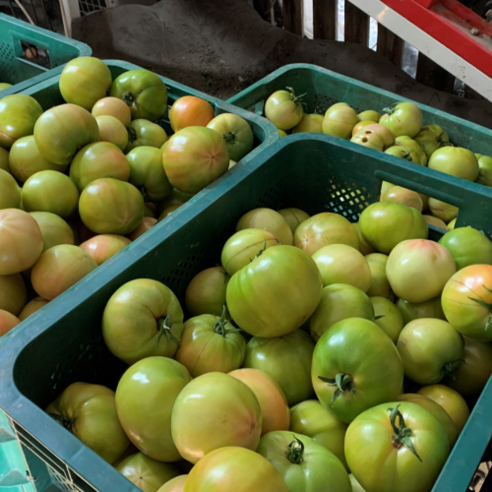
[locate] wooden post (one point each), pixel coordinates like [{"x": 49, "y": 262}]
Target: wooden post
[
  {"x": 356, "y": 25},
  {"x": 292, "y": 16},
  {"x": 433, "y": 75},
  {"x": 390, "y": 45},
  {"x": 325, "y": 14}
]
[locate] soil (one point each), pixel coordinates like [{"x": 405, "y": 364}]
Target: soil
[{"x": 223, "y": 46}]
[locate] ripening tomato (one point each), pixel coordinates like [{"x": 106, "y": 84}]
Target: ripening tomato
[
  {"x": 387, "y": 317},
  {"x": 284, "y": 109},
  {"x": 174, "y": 485},
  {"x": 190, "y": 111},
  {"x": 340, "y": 120},
  {"x": 269, "y": 220},
  {"x": 13, "y": 293},
  {"x": 113, "y": 106},
  {"x": 361, "y": 125},
  {"x": 384, "y": 133},
  {"x": 59, "y": 268},
  {"x": 10, "y": 193},
  {"x": 355, "y": 366},
  {"x": 143, "y": 91},
  {"x": 286, "y": 359},
  {"x": 370, "y": 140},
  {"x": 305, "y": 465},
  {"x": 276, "y": 293},
  {"x": 142, "y": 318},
  {"x": 293, "y": 217},
  {"x": 444, "y": 211},
  {"x": 7, "y": 322},
  {"x": 31, "y": 307},
  {"x": 88, "y": 411},
  {"x": 103, "y": 247},
  {"x": 396, "y": 446},
  {"x": 404, "y": 196},
  {"x": 417, "y": 310},
  {"x": 214, "y": 411},
  {"x": 380, "y": 286},
  {"x": 310, "y": 123},
  {"x": 234, "y": 468},
  {"x": 435, "y": 221},
  {"x": 145, "y": 397},
  {"x": 145, "y": 133},
  {"x": 146, "y": 224},
  {"x": 112, "y": 130},
  {"x": 54, "y": 229},
  {"x": 405, "y": 119},
  {"x": 364, "y": 247}
]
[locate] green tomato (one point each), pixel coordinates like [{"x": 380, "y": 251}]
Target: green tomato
[
  {"x": 142, "y": 318},
  {"x": 284, "y": 109},
  {"x": 382, "y": 462},
  {"x": 276, "y": 293},
  {"x": 236, "y": 132},
  {"x": 145, "y": 133},
  {"x": 88, "y": 411},
  {"x": 468, "y": 247},
  {"x": 269, "y": 220},
  {"x": 25, "y": 159},
  {"x": 4, "y": 160},
  {"x": 385, "y": 224},
  {"x": 355, "y": 366},
  {"x": 13, "y": 294},
  {"x": 54, "y": 229},
  {"x": 444, "y": 211},
  {"x": 50, "y": 191},
  {"x": 310, "y": 123},
  {"x": 339, "y": 302},
  {"x": 145, "y": 397},
  {"x": 111, "y": 206},
  {"x": 404, "y": 153},
  {"x": 293, "y": 217},
  {"x": 369, "y": 115},
  {"x": 388, "y": 317},
  {"x": 411, "y": 144},
  {"x": 143, "y": 91},
  {"x": 10, "y": 193},
  {"x": 215, "y": 411},
  {"x": 311, "y": 419},
  {"x": 356, "y": 486},
  {"x": 84, "y": 81},
  {"x": 364, "y": 247},
  {"x": 174, "y": 485},
  {"x": 98, "y": 160},
  {"x": 112, "y": 130},
  {"x": 405, "y": 119},
  {"x": 339, "y": 120},
  {"x": 18, "y": 114},
  {"x": 431, "y": 138},
  {"x": 456, "y": 161},
  {"x": 145, "y": 473},
  {"x": 430, "y": 349},
  {"x": 287, "y": 360},
  {"x": 417, "y": 310},
  {"x": 484, "y": 170},
  {"x": 4, "y": 85},
  {"x": 380, "y": 286},
  {"x": 305, "y": 465},
  {"x": 147, "y": 173}
]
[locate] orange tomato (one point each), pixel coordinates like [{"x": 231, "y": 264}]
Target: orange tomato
[
  {"x": 7, "y": 322},
  {"x": 190, "y": 111}
]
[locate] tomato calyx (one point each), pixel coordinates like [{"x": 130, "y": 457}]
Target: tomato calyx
[
  {"x": 67, "y": 424},
  {"x": 295, "y": 451},
  {"x": 486, "y": 305},
  {"x": 343, "y": 382},
  {"x": 132, "y": 134},
  {"x": 296, "y": 99},
  {"x": 164, "y": 325},
  {"x": 221, "y": 325},
  {"x": 131, "y": 99},
  {"x": 230, "y": 137},
  {"x": 450, "y": 368},
  {"x": 402, "y": 433}
]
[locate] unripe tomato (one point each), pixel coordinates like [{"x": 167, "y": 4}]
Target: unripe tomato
[
  {"x": 361, "y": 125},
  {"x": 404, "y": 196},
  {"x": 31, "y": 307},
  {"x": 145, "y": 133},
  {"x": 387, "y": 317},
  {"x": 339, "y": 121},
  {"x": 268, "y": 220},
  {"x": 112, "y": 130},
  {"x": 284, "y": 109},
  {"x": 442, "y": 210},
  {"x": 456, "y": 161},
  {"x": 174, "y": 485},
  {"x": 54, "y": 229},
  {"x": 369, "y": 115},
  {"x": 103, "y": 247},
  {"x": 369, "y": 139},
  {"x": 405, "y": 119},
  {"x": 146, "y": 224},
  {"x": 431, "y": 138},
  {"x": 293, "y": 217},
  {"x": 379, "y": 284},
  {"x": 484, "y": 170},
  {"x": 417, "y": 310},
  {"x": 382, "y": 131},
  {"x": 112, "y": 106},
  {"x": 364, "y": 247},
  {"x": 310, "y": 123},
  {"x": 10, "y": 193},
  {"x": 13, "y": 293},
  {"x": 4, "y": 160},
  {"x": 436, "y": 222},
  {"x": 411, "y": 144}
]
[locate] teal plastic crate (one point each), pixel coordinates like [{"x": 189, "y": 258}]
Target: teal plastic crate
[
  {"x": 322, "y": 88},
  {"x": 64, "y": 344},
  {"x": 54, "y": 49}
]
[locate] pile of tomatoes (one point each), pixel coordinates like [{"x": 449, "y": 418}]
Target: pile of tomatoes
[
  {"x": 80, "y": 181},
  {"x": 399, "y": 132},
  {"x": 320, "y": 356}
]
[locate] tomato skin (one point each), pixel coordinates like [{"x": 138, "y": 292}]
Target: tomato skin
[
  {"x": 293, "y": 217},
  {"x": 356, "y": 486},
  {"x": 324, "y": 229},
  {"x": 275, "y": 293},
  {"x": 484, "y": 170},
  {"x": 411, "y": 144},
  {"x": 404, "y": 153},
  {"x": 112, "y": 130},
  {"x": 431, "y": 138},
  {"x": 134, "y": 318},
  {"x": 210, "y": 344},
  {"x": 284, "y": 109},
  {"x": 404, "y": 196},
  {"x": 111, "y": 206},
  {"x": 368, "y": 139},
  {"x": 90, "y": 411},
  {"x": 269, "y": 220},
  {"x": 417, "y": 310},
  {"x": 145, "y": 133},
  {"x": 25, "y": 159},
  {"x": 237, "y": 134},
  {"x": 339, "y": 121},
  {"x": 384, "y": 133},
  {"x": 147, "y": 173},
  {"x": 463, "y": 313},
  {"x": 145, "y": 397},
  {"x": 143, "y": 91},
  {"x": 379, "y": 283},
  {"x": 190, "y": 111},
  {"x": 112, "y": 106},
  {"x": 98, "y": 160},
  {"x": 442, "y": 210},
  {"x": 146, "y": 224},
  {"x": 31, "y": 307},
  {"x": 10, "y": 193},
  {"x": 103, "y": 247},
  {"x": 339, "y": 302},
  {"x": 193, "y": 158},
  {"x": 4, "y": 160},
  {"x": 319, "y": 471},
  {"x": 369, "y": 115},
  {"x": 144, "y": 472},
  {"x": 435, "y": 221},
  {"x": 450, "y": 400},
  {"x": 7, "y": 322},
  {"x": 13, "y": 293},
  {"x": 361, "y": 125},
  {"x": 456, "y": 161},
  {"x": 391, "y": 320},
  {"x": 214, "y": 411},
  {"x": 175, "y": 485},
  {"x": 84, "y": 81},
  {"x": 311, "y": 419},
  {"x": 310, "y": 123},
  {"x": 18, "y": 115},
  {"x": 379, "y": 466},
  {"x": 230, "y": 468},
  {"x": 419, "y": 269},
  {"x": 273, "y": 403},
  {"x": 59, "y": 268},
  {"x": 286, "y": 359},
  {"x": 206, "y": 293},
  {"x": 405, "y": 119},
  {"x": 18, "y": 227},
  {"x": 360, "y": 349},
  {"x": 54, "y": 229}
]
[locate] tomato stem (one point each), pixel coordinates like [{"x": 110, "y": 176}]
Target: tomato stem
[
  {"x": 295, "y": 451},
  {"x": 450, "y": 368},
  {"x": 486, "y": 305},
  {"x": 402, "y": 433},
  {"x": 221, "y": 324},
  {"x": 230, "y": 137},
  {"x": 296, "y": 99},
  {"x": 128, "y": 98},
  {"x": 132, "y": 134},
  {"x": 342, "y": 381},
  {"x": 164, "y": 326}
]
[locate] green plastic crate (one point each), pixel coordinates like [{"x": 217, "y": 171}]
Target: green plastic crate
[
  {"x": 322, "y": 88},
  {"x": 15, "y": 36},
  {"x": 64, "y": 344}
]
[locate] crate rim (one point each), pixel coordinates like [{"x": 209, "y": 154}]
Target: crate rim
[
  {"x": 236, "y": 99},
  {"x": 459, "y": 465}
]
